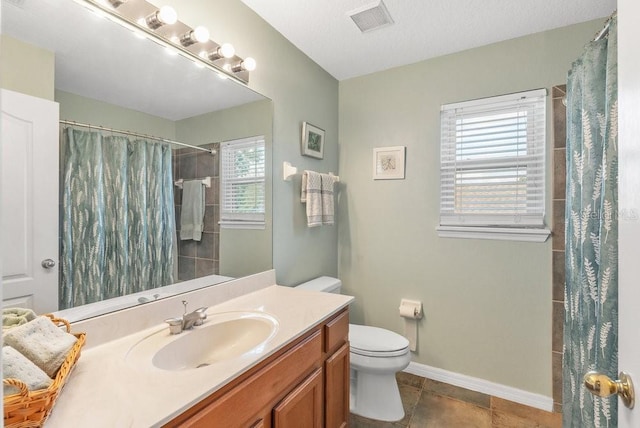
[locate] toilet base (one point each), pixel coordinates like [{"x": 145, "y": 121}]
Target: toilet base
[{"x": 375, "y": 396}]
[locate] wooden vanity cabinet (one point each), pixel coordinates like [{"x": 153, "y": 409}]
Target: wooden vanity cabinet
[
  {"x": 305, "y": 384},
  {"x": 337, "y": 371}
]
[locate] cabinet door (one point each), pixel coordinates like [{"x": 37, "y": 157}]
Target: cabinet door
[
  {"x": 302, "y": 408},
  {"x": 337, "y": 388}
]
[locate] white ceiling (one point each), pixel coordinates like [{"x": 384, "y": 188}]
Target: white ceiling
[{"x": 423, "y": 29}]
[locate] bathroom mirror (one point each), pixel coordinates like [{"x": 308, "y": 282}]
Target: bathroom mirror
[{"x": 106, "y": 75}]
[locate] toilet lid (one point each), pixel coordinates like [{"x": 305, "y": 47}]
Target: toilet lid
[{"x": 374, "y": 341}]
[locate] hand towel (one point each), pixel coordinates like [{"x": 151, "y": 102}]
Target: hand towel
[
  {"x": 13, "y": 317},
  {"x": 192, "y": 213},
  {"x": 41, "y": 342},
  {"x": 326, "y": 193},
  {"x": 17, "y": 366},
  {"x": 311, "y": 195}
]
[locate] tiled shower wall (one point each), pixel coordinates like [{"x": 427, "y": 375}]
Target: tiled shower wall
[
  {"x": 558, "y": 93},
  {"x": 199, "y": 258}
]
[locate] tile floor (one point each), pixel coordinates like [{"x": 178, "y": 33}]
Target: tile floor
[{"x": 432, "y": 404}]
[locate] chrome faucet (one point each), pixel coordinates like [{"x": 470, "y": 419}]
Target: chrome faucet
[{"x": 188, "y": 320}]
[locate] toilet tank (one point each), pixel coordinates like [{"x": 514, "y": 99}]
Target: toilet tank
[{"x": 326, "y": 284}]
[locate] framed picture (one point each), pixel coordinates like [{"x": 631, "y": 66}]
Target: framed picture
[
  {"x": 312, "y": 141},
  {"x": 388, "y": 163}
]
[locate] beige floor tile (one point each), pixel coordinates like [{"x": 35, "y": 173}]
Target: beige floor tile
[
  {"x": 409, "y": 396},
  {"x": 540, "y": 417},
  {"x": 431, "y": 404},
  {"x": 404, "y": 378},
  {"x": 434, "y": 411},
  {"x": 462, "y": 394},
  {"x": 506, "y": 420}
]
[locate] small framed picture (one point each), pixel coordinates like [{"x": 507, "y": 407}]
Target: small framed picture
[
  {"x": 388, "y": 163},
  {"x": 312, "y": 141}
]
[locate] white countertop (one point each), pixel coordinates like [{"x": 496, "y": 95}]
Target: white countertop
[{"x": 105, "y": 390}]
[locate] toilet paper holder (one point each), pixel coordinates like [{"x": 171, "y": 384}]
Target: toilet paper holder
[{"x": 410, "y": 309}]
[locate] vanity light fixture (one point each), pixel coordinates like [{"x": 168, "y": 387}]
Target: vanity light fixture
[
  {"x": 198, "y": 35},
  {"x": 225, "y": 51},
  {"x": 144, "y": 19},
  {"x": 248, "y": 64},
  {"x": 166, "y": 15}
]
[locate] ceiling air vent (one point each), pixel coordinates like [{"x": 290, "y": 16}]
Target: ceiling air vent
[{"x": 371, "y": 17}]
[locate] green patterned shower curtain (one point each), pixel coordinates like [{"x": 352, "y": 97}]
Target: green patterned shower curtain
[
  {"x": 591, "y": 296},
  {"x": 117, "y": 216}
]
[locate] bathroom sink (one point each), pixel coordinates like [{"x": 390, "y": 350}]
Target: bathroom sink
[{"x": 223, "y": 336}]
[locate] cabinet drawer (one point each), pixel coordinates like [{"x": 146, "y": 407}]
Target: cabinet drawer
[
  {"x": 336, "y": 332},
  {"x": 239, "y": 406}
]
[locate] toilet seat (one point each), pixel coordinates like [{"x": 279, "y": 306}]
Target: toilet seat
[{"x": 376, "y": 342}]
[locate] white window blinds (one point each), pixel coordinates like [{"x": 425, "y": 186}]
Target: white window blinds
[
  {"x": 492, "y": 161},
  {"x": 242, "y": 182}
]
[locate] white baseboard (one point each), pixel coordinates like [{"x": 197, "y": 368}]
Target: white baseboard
[{"x": 480, "y": 385}]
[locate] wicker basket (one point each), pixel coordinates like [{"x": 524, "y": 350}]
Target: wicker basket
[{"x": 31, "y": 408}]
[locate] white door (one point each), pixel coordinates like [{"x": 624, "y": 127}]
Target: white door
[
  {"x": 629, "y": 201},
  {"x": 29, "y": 186}
]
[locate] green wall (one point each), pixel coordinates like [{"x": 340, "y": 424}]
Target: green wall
[
  {"x": 87, "y": 110},
  {"x": 487, "y": 303},
  {"x": 26, "y": 68}
]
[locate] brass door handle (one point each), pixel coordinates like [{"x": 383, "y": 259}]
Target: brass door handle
[{"x": 603, "y": 386}]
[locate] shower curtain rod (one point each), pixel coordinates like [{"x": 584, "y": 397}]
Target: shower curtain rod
[
  {"x": 605, "y": 29},
  {"x": 134, "y": 134}
]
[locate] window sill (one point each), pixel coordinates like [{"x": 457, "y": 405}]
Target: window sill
[
  {"x": 496, "y": 233},
  {"x": 254, "y": 225}
]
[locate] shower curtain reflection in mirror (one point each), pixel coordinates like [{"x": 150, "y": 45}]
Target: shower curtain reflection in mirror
[{"x": 117, "y": 216}]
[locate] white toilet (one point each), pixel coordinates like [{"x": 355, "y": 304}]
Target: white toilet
[{"x": 376, "y": 356}]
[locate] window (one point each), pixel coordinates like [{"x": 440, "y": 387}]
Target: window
[
  {"x": 242, "y": 183},
  {"x": 492, "y": 167}
]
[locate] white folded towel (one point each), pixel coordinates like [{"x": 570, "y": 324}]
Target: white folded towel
[
  {"x": 327, "y": 198},
  {"x": 41, "y": 342},
  {"x": 317, "y": 193},
  {"x": 13, "y": 317},
  {"x": 17, "y": 366},
  {"x": 312, "y": 196},
  {"x": 192, "y": 212}
]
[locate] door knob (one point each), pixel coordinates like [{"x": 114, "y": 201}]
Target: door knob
[
  {"x": 603, "y": 386},
  {"x": 48, "y": 263}
]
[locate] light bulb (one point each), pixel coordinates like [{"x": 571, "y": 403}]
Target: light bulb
[
  {"x": 227, "y": 50},
  {"x": 224, "y": 51},
  {"x": 166, "y": 15},
  {"x": 199, "y": 34},
  {"x": 249, "y": 64}
]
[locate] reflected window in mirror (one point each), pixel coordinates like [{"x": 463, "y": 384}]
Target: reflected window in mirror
[{"x": 243, "y": 183}]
